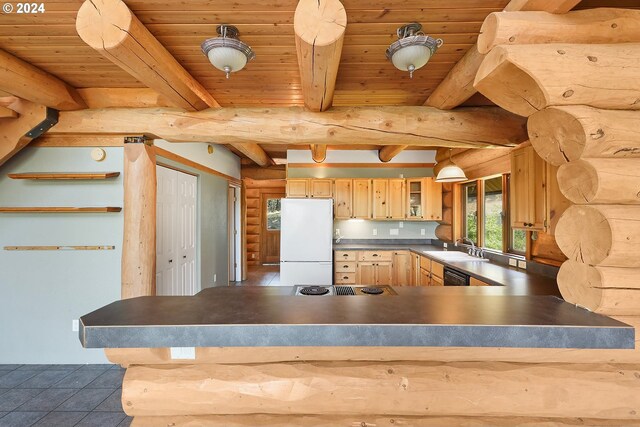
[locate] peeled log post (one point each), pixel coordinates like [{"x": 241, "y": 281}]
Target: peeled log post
[
  {"x": 319, "y": 26},
  {"x": 139, "y": 242},
  {"x": 605, "y": 290},
  {"x": 524, "y": 79},
  {"x": 607, "y": 235},
  {"x": 393, "y": 388},
  {"x": 318, "y": 152},
  {"x": 601, "y": 181},
  {"x": 387, "y": 153},
  {"x": 580, "y": 26},
  {"x": 565, "y": 134},
  {"x": 444, "y": 232}
]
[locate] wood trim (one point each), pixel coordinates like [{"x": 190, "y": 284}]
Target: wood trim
[
  {"x": 164, "y": 165},
  {"x": 360, "y": 165},
  {"x": 63, "y": 175},
  {"x": 177, "y": 158},
  {"x": 480, "y": 209},
  {"x": 59, "y": 209},
  {"x": 78, "y": 141},
  {"x": 59, "y": 248}
]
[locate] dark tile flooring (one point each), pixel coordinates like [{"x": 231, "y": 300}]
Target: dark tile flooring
[{"x": 61, "y": 396}]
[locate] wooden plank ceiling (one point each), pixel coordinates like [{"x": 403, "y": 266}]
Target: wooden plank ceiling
[{"x": 49, "y": 41}]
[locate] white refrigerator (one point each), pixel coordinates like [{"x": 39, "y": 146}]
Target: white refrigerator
[{"x": 306, "y": 238}]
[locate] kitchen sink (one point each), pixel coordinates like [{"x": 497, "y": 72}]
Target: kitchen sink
[{"x": 454, "y": 256}]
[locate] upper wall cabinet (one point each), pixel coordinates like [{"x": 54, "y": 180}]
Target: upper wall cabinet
[
  {"x": 424, "y": 199},
  {"x": 388, "y": 198},
  {"x": 342, "y": 198},
  {"x": 310, "y": 188},
  {"x": 536, "y": 200},
  {"x": 361, "y": 198}
]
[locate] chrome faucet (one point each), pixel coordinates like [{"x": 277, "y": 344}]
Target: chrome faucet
[{"x": 473, "y": 251}]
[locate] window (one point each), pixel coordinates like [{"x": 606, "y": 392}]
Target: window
[
  {"x": 485, "y": 215},
  {"x": 470, "y": 211},
  {"x": 273, "y": 214}
]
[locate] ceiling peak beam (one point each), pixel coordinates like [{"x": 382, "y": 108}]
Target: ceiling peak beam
[
  {"x": 403, "y": 125},
  {"x": 109, "y": 27},
  {"x": 457, "y": 86},
  {"x": 318, "y": 152},
  {"x": 386, "y": 154},
  {"x": 319, "y": 27},
  {"x": 23, "y": 80}
]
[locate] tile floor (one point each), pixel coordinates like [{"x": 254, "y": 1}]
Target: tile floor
[
  {"x": 61, "y": 396},
  {"x": 261, "y": 275}
]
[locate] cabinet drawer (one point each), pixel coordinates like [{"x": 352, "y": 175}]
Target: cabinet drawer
[
  {"x": 340, "y": 256},
  {"x": 346, "y": 278},
  {"x": 345, "y": 267},
  {"x": 436, "y": 281},
  {"x": 375, "y": 256},
  {"x": 425, "y": 263},
  {"x": 437, "y": 269},
  {"x": 475, "y": 282}
]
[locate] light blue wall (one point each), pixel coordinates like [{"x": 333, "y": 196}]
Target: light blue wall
[
  {"x": 41, "y": 292},
  {"x": 363, "y": 229}
]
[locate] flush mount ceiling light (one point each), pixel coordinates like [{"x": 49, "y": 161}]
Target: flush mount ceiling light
[
  {"x": 413, "y": 49},
  {"x": 226, "y": 52},
  {"x": 451, "y": 172}
]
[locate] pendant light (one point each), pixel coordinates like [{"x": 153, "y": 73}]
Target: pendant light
[
  {"x": 413, "y": 49},
  {"x": 226, "y": 52},
  {"x": 451, "y": 172}
]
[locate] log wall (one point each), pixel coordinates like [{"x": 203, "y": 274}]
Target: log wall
[{"x": 253, "y": 192}]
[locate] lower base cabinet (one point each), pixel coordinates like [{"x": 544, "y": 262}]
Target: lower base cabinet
[
  {"x": 425, "y": 277},
  {"x": 401, "y": 268},
  {"x": 475, "y": 282},
  {"x": 377, "y": 273}
]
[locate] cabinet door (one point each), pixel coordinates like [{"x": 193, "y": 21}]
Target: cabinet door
[
  {"x": 366, "y": 273},
  {"x": 384, "y": 273},
  {"x": 396, "y": 204},
  {"x": 362, "y": 198},
  {"x": 437, "y": 270},
  {"x": 433, "y": 196},
  {"x": 476, "y": 282},
  {"x": 555, "y": 202},
  {"x": 415, "y": 270},
  {"x": 425, "y": 279},
  {"x": 537, "y": 184},
  {"x": 519, "y": 191},
  {"x": 436, "y": 281},
  {"x": 297, "y": 187},
  {"x": 321, "y": 188},
  {"x": 401, "y": 269},
  {"x": 380, "y": 198},
  {"x": 415, "y": 198},
  {"x": 342, "y": 198}
]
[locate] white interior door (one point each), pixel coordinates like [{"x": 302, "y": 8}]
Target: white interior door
[
  {"x": 231, "y": 215},
  {"x": 166, "y": 222},
  {"x": 176, "y": 233}
]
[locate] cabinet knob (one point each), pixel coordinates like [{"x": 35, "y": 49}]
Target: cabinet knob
[
  {"x": 345, "y": 254},
  {"x": 170, "y": 260},
  {"x": 374, "y": 255},
  {"x": 345, "y": 277},
  {"x": 345, "y": 266}
]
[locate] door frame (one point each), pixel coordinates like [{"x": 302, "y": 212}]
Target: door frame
[{"x": 234, "y": 200}]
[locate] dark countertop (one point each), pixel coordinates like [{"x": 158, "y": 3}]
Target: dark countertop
[
  {"x": 520, "y": 281},
  {"x": 428, "y": 316}
]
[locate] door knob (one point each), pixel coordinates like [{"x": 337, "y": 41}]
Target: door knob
[{"x": 170, "y": 260}]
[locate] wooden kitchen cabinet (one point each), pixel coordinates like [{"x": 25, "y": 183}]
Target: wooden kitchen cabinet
[
  {"x": 342, "y": 196},
  {"x": 297, "y": 188},
  {"x": 321, "y": 188},
  {"x": 476, "y": 282},
  {"x": 344, "y": 267},
  {"x": 366, "y": 273},
  {"x": 401, "y": 268},
  {"x": 397, "y": 198},
  {"x": 425, "y": 277},
  {"x": 414, "y": 279},
  {"x": 433, "y": 199},
  {"x": 415, "y": 198},
  {"x": 361, "y": 199},
  {"x": 388, "y": 198},
  {"x": 536, "y": 200},
  {"x": 384, "y": 274}
]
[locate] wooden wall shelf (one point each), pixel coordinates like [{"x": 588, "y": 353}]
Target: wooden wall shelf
[
  {"x": 60, "y": 209},
  {"x": 63, "y": 175},
  {"x": 59, "y": 248}
]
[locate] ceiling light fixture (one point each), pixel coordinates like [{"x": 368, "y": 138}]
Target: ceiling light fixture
[
  {"x": 226, "y": 52},
  {"x": 413, "y": 49},
  {"x": 451, "y": 172}
]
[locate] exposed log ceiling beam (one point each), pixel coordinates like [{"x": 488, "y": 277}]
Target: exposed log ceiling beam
[
  {"x": 6, "y": 113},
  {"x": 23, "y": 80},
  {"x": 318, "y": 152},
  {"x": 581, "y": 26},
  {"x": 319, "y": 27},
  {"x": 254, "y": 152},
  {"x": 385, "y": 154},
  {"x": 109, "y": 27},
  {"x": 15, "y": 133},
  {"x": 457, "y": 86},
  {"x": 420, "y": 126}
]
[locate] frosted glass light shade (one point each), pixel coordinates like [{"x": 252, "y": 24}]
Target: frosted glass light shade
[
  {"x": 451, "y": 173},
  {"x": 416, "y": 55},
  {"x": 226, "y": 58}
]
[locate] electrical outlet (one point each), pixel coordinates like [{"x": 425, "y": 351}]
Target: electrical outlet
[
  {"x": 253, "y": 256},
  {"x": 338, "y": 231},
  {"x": 522, "y": 264},
  {"x": 423, "y": 232},
  {"x": 215, "y": 278},
  {"x": 401, "y": 224},
  {"x": 375, "y": 231},
  {"x": 75, "y": 325},
  {"x": 445, "y": 245},
  {"x": 183, "y": 352},
  {"x": 513, "y": 262},
  {"x": 394, "y": 232}
]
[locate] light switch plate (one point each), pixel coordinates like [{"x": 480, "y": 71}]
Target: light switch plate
[
  {"x": 215, "y": 278},
  {"x": 423, "y": 232},
  {"x": 183, "y": 353},
  {"x": 513, "y": 262},
  {"x": 446, "y": 246},
  {"x": 522, "y": 264},
  {"x": 401, "y": 224},
  {"x": 394, "y": 231},
  {"x": 375, "y": 231},
  {"x": 75, "y": 325}
]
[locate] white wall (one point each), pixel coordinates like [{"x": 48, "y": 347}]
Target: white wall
[
  {"x": 362, "y": 156},
  {"x": 221, "y": 160}
]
